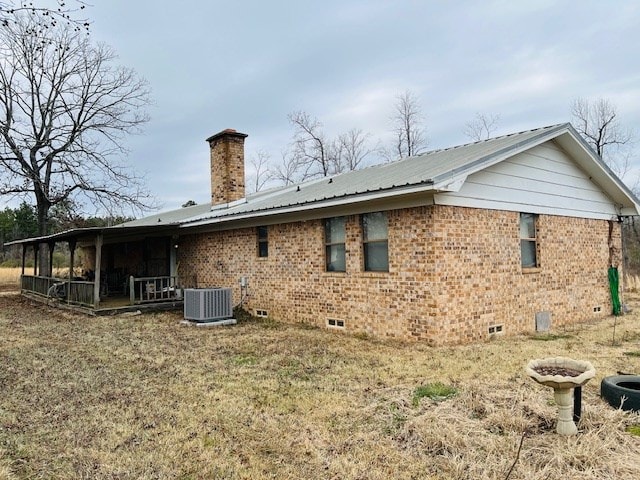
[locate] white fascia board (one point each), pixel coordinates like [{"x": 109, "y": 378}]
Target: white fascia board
[
  {"x": 452, "y": 185},
  {"x": 349, "y": 206},
  {"x": 599, "y": 172}
]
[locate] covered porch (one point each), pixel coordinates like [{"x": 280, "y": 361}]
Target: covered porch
[{"x": 110, "y": 269}]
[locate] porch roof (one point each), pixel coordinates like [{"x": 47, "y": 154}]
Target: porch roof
[{"x": 110, "y": 234}]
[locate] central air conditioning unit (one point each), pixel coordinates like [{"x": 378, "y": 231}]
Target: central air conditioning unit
[{"x": 207, "y": 304}]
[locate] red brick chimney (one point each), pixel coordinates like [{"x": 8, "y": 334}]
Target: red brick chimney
[{"x": 227, "y": 166}]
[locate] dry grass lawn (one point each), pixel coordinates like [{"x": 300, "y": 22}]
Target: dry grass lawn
[
  {"x": 145, "y": 397},
  {"x": 10, "y": 276}
]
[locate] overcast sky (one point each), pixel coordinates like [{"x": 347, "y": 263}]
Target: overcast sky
[{"x": 247, "y": 64}]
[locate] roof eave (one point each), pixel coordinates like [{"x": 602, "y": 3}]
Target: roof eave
[{"x": 359, "y": 199}]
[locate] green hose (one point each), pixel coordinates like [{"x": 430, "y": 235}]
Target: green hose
[{"x": 614, "y": 282}]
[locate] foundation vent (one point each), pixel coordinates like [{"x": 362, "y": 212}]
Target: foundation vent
[
  {"x": 207, "y": 304},
  {"x": 494, "y": 329},
  {"x": 335, "y": 323}
]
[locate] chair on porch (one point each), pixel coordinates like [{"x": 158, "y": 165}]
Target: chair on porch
[{"x": 150, "y": 290}]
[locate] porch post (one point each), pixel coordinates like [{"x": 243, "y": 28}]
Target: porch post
[
  {"x": 96, "y": 285},
  {"x": 35, "y": 259},
  {"x": 72, "y": 252},
  {"x": 52, "y": 246},
  {"x": 173, "y": 268},
  {"x": 24, "y": 256}
]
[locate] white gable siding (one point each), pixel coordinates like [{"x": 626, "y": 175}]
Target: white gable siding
[{"x": 541, "y": 180}]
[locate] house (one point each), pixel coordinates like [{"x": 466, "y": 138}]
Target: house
[{"x": 452, "y": 246}]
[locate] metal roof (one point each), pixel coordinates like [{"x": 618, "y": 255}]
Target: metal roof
[
  {"x": 423, "y": 173},
  {"x": 171, "y": 217}
]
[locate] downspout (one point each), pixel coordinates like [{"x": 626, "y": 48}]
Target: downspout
[{"x": 613, "y": 274}]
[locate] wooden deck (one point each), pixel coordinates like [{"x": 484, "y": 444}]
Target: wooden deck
[
  {"x": 109, "y": 306},
  {"x": 121, "y": 304}
]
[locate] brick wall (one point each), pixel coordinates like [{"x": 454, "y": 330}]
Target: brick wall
[{"x": 453, "y": 272}]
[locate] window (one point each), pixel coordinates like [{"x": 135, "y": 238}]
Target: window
[
  {"x": 374, "y": 239},
  {"x": 334, "y": 236},
  {"x": 528, "y": 242},
  {"x": 263, "y": 242}
]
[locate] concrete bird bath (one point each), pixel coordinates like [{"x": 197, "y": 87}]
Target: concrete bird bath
[{"x": 563, "y": 375}]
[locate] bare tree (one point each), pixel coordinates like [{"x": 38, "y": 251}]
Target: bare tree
[
  {"x": 67, "y": 12},
  {"x": 289, "y": 170},
  {"x": 597, "y": 122},
  {"x": 313, "y": 154},
  {"x": 262, "y": 172},
  {"x": 64, "y": 113},
  {"x": 481, "y": 127},
  {"x": 311, "y": 149},
  {"x": 350, "y": 150},
  {"x": 408, "y": 126}
]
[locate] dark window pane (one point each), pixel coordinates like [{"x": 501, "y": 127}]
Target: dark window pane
[
  {"x": 528, "y": 252},
  {"x": 335, "y": 258},
  {"x": 376, "y": 257},
  {"x": 374, "y": 236},
  {"x": 263, "y": 242}
]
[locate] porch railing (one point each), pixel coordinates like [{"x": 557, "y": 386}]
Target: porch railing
[
  {"x": 153, "y": 289},
  {"x": 81, "y": 293},
  {"x": 75, "y": 292}
]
